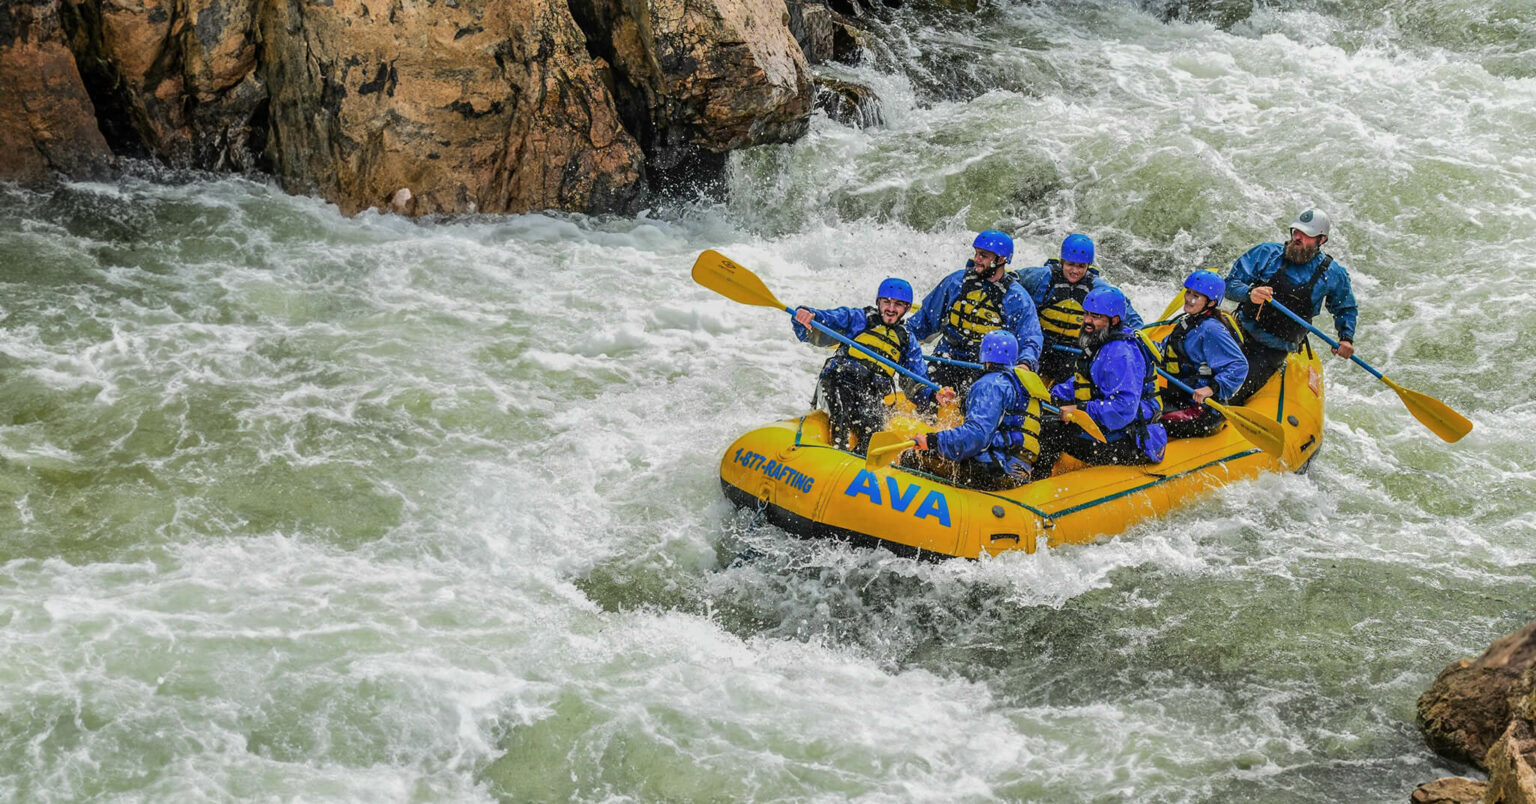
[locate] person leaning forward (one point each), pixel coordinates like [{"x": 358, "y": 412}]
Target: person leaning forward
[
  {"x": 994, "y": 448},
  {"x": 1114, "y": 382},
  {"x": 1057, "y": 288},
  {"x": 973, "y": 301},
  {"x": 855, "y": 385},
  {"x": 1300, "y": 276}
]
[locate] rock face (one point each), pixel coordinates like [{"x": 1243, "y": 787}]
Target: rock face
[
  {"x": 490, "y": 106},
  {"x": 1480, "y": 711},
  {"x": 47, "y": 124}
]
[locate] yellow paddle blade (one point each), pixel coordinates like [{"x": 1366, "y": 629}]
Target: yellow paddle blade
[
  {"x": 718, "y": 273},
  {"x": 1432, "y": 413},
  {"x": 1081, "y": 418},
  {"x": 884, "y": 448},
  {"x": 1260, "y": 429},
  {"x": 951, "y": 416}
]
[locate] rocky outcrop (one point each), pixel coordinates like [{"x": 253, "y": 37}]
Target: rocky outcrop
[
  {"x": 491, "y": 106},
  {"x": 1480, "y": 711},
  {"x": 695, "y": 80},
  {"x": 1450, "y": 790},
  {"x": 47, "y": 124}
]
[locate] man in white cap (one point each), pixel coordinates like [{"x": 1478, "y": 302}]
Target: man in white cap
[{"x": 1300, "y": 276}]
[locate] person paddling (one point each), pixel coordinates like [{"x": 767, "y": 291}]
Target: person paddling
[
  {"x": 973, "y": 301},
  {"x": 1300, "y": 276},
  {"x": 1057, "y": 289},
  {"x": 854, "y": 385},
  {"x": 1115, "y": 383},
  {"x": 1203, "y": 352},
  {"x": 995, "y": 447}
]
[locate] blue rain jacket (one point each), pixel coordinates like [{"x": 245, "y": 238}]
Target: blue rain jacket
[
  {"x": 1258, "y": 268},
  {"x": 1119, "y": 372},
  {"x": 849, "y": 322},
  {"x": 1211, "y": 343},
  {"x": 988, "y": 398},
  {"x": 1037, "y": 282},
  {"x": 1018, "y": 317}
]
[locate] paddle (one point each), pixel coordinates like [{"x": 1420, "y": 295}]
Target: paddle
[
  {"x": 1431, "y": 412},
  {"x": 1259, "y": 428},
  {"x": 717, "y": 272},
  {"x": 884, "y": 448}
]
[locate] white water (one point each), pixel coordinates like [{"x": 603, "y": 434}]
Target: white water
[{"x": 308, "y": 507}]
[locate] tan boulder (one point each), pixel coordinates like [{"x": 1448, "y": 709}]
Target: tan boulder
[
  {"x": 1511, "y": 777},
  {"x": 179, "y": 78},
  {"x": 1449, "y": 790},
  {"x": 703, "y": 77},
  {"x": 491, "y": 107},
  {"x": 47, "y": 122},
  {"x": 1470, "y": 704}
]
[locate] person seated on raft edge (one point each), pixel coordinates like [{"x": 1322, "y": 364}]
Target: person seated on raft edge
[
  {"x": 966, "y": 305},
  {"x": 994, "y": 448},
  {"x": 1203, "y": 351},
  {"x": 1058, "y": 288},
  {"x": 855, "y": 385},
  {"x": 1300, "y": 276},
  {"x": 1117, "y": 386}
]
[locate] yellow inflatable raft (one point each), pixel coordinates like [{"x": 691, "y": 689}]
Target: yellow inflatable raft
[{"x": 789, "y": 472}]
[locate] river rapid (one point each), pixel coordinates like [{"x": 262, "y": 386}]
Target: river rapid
[{"x": 305, "y": 507}]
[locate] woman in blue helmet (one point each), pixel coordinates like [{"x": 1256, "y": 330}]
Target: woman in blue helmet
[
  {"x": 973, "y": 301},
  {"x": 1057, "y": 288},
  {"x": 1115, "y": 383},
  {"x": 995, "y": 448},
  {"x": 1204, "y": 352},
  {"x": 855, "y": 386}
]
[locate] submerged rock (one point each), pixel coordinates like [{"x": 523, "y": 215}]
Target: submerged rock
[{"x": 848, "y": 103}]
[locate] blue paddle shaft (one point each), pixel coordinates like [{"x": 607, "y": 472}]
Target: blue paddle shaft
[
  {"x": 879, "y": 358},
  {"x": 964, "y": 364},
  {"x": 1319, "y": 333}
]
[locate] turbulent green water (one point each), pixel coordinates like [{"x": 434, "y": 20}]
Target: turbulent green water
[{"x": 302, "y": 507}]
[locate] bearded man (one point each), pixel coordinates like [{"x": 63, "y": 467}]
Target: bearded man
[
  {"x": 1300, "y": 276},
  {"x": 1115, "y": 384}
]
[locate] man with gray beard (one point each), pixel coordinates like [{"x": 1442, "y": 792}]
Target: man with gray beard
[{"x": 1300, "y": 276}]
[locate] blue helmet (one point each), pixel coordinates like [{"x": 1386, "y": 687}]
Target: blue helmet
[
  {"x": 999, "y": 346},
  {"x": 1077, "y": 248},
  {"x": 1106, "y": 301},
  {"x": 896, "y": 290},
  {"x": 1206, "y": 283},
  {"x": 996, "y": 242}
]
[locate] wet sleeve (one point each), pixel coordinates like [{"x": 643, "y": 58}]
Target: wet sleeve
[
  {"x": 1036, "y": 282},
  {"x": 913, "y": 360},
  {"x": 925, "y": 323},
  {"x": 1063, "y": 391},
  {"x": 1245, "y": 269},
  {"x": 1341, "y": 302},
  {"x": 1118, "y": 373},
  {"x": 1219, "y": 350},
  {"x": 1024, "y": 323},
  {"x": 846, "y": 321},
  {"x": 983, "y": 412}
]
